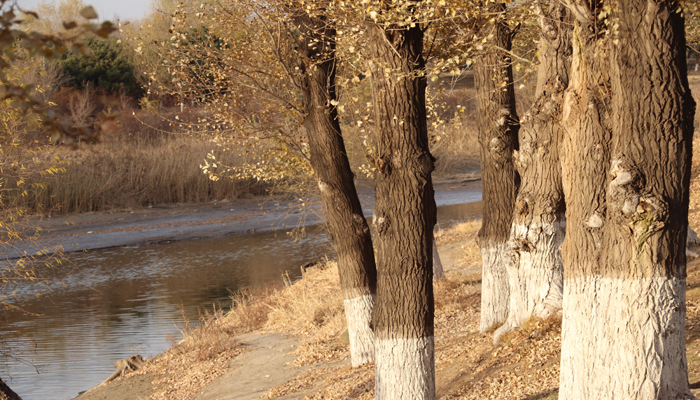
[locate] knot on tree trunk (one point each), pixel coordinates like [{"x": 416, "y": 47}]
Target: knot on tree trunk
[
  {"x": 521, "y": 206},
  {"x": 650, "y": 216},
  {"x": 360, "y": 223},
  {"x": 624, "y": 189},
  {"x": 384, "y": 165},
  {"x": 427, "y": 164},
  {"x": 380, "y": 222}
]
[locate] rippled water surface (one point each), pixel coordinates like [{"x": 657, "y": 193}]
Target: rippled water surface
[{"x": 124, "y": 301}]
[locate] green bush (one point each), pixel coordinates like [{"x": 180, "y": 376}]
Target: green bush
[{"x": 107, "y": 68}]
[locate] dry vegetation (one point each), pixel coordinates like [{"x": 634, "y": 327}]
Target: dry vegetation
[
  {"x": 120, "y": 175},
  {"x": 154, "y": 157}
]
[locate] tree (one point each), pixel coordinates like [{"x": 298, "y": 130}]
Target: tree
[
  {"x": 345, "y": 220},
  {"x": 535, "y": 275},
  {"x": 626, "y": 173},
  {"x": 498, "y": 125},
  {"x": 107, "y": 67},
  {"x": 405, "y": 211},
  {"x": 283, "y": 58},
  {"x": 203, "y": 69}
]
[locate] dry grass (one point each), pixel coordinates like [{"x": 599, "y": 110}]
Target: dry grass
[
  {"x": 149, "y": 160},
  {"x": 462, "y": 232},
  {"x": 313, "y": 310},
  {"x": 125, "y": 175},
  {"x": 201, "y": 356},
  {"x": 458, "y": 149}
]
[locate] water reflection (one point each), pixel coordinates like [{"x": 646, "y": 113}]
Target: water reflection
[{"x": 123, "y": 301}]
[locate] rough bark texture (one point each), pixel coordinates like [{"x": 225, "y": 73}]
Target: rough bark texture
[
  {"x": 626, "y": 193},
  {"x": 404, "y": 217},
  {"x": 536, "y": 274},
  {"x": 498, "y": 125},
  {"x": 345, "y": 220}
]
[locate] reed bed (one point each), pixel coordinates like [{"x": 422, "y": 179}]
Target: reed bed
[{"x": 125, "y": 175}]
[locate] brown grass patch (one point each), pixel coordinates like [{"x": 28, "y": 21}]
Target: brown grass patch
[
  {"x": 195, "y": 361},
  {"x": 299, "y": 383},
  {"x": 312, "y": 309},
  {"x": 463, "y": 232},
  {"x": 119, "y": 175}
]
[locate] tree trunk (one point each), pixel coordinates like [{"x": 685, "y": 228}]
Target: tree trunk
[
  {"x": 536, "y": 274},
  {"x": 404, "y": 217},
  {"x": 627, "y": 194},
  {"x": 498, "y": 137},
  {"x": 346, "y": 222}
]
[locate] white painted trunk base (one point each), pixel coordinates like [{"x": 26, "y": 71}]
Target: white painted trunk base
[
  {"x": 358, "y": 314},
  {"x": 405, "y": 369},
  {"x": 624, "y": 339},
  {"x": 536, "y": 277},
  {"x": 494, "y": 285}
]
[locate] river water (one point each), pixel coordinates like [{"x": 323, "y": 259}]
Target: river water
[{"x": 124, "y": 301}]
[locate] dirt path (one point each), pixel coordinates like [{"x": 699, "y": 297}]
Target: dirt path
[{"x": 267, "y": 364}]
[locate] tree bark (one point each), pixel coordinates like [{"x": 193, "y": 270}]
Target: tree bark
[
  {"x": 536, "y": 273},
  {"x": 404, "y": 217},
  {"x": 345, "y": 220},
  {"x": 626, "y": 181},
  {"x": 498, "y": 125}
]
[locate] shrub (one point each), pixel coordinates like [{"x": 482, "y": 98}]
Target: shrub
[{"x": 107, "y": 68}]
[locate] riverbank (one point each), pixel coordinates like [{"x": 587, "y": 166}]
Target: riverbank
[
  {"x": 89, "y": 231},
  {"x": 289, "y": 344}
]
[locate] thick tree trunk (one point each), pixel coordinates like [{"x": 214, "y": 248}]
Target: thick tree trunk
[
  {"x": 346, "y": 222},
  {"x": 404, "y": 217},
  {"x": 627, "y": 204},
  {"x": 536, "y": 273},
  {"x": 498, "y": 125}
]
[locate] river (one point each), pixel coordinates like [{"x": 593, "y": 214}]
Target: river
[{"x": 122, "y": 301}]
